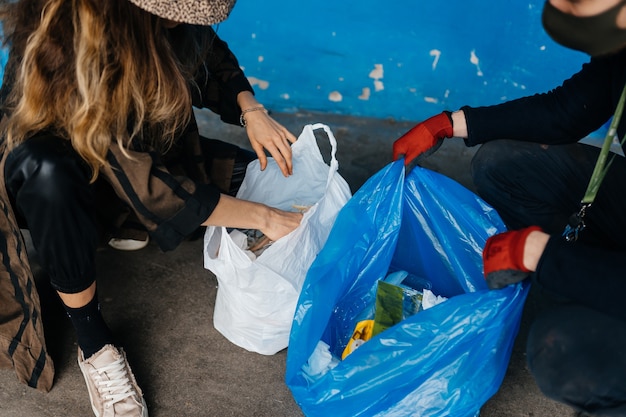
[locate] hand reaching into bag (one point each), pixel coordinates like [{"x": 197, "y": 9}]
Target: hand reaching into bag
[
  {"x": 511, "y": 257},
  {"x": 265, "y": 133},
  {"x": 424, "y": 139},
  {"x": 243, "y": 214}
]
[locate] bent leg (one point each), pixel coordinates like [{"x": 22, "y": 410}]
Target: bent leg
[
  {"x": 49, "y": 185},
  {"x": 576, "y": 355},
  {"x": 534, "y": 184}
]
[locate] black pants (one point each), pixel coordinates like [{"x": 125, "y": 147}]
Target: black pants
[
  {"x": 48, "y": 184},
  {"x": 576, "y": 354}
]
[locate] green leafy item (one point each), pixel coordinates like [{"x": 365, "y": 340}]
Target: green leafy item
[{"x": 394, "y": 303}]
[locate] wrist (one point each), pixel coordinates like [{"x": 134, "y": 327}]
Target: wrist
[
  {"x": 533, "y": 249},
  {"x": 459, "y": 124},
  {"x": 244, "y": 112}
]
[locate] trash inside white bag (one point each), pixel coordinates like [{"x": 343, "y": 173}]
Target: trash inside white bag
[{"x": 256, "y": 298}]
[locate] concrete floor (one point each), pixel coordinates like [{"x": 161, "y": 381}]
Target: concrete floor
[{"x": 160, "y": 306}]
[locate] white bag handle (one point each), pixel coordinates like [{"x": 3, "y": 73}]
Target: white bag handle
[{"x": 334, "y": 164}]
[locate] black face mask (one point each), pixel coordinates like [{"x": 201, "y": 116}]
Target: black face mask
[{"x": 594, "y": 35}]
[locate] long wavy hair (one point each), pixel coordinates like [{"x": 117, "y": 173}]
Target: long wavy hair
[{"x": 94, "y": 72}]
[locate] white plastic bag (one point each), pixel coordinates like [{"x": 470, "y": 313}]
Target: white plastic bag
[{"x": 256, "y": 299}]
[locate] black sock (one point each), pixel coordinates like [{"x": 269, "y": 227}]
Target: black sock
[{"x": 91, "y": 330}]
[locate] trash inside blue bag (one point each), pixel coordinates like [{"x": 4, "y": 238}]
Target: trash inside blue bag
[
  {"x": 395, "y": 302},
  {"x": 444, "y": 361}
]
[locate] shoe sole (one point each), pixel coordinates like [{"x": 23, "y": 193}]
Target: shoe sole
[{"x": 128, "y": 244}]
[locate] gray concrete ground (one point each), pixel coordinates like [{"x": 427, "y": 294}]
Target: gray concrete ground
[{"x": 160, "y": 306}]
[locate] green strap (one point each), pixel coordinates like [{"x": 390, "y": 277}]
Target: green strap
[{"x": 603, "y": 164}]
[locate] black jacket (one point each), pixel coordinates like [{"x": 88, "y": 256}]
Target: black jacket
[{"x": 581, "y": 105}]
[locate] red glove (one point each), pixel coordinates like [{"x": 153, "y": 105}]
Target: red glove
[
  {"x": 503, "y": 258},
  {"x": 423, "y": 139}
]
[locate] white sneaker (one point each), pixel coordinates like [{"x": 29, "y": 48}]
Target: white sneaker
[
  {"x": 128, "y": 244},
  {"x": 112, "y": 387}
]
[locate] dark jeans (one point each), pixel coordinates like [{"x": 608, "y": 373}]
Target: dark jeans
[
  {"x": 576, "y": 354},
  {"x": 48, "y": 184},
  {"x": 533, "y": 184}
]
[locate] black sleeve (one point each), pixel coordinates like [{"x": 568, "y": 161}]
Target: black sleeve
[
  {"x": 170, "y": 206},
  {"x": 566, "y": 114},
  {"x": 219, "y": 81}
]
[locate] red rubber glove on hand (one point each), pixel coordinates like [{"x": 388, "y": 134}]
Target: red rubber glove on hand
[
  {"x": 423, "y": 139},
  {"x": 503, "y": 258}
]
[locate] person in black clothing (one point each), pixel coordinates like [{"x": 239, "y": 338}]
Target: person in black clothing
[{"x": 534, "y": 172}]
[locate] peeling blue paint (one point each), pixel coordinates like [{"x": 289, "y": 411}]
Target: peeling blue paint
[
  {"x": 312, "y": 50},
  {"x": 426, "y": 56}
]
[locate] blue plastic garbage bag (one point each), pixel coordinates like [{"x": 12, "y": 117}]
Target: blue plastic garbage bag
[{"x": 444, "y": 361}]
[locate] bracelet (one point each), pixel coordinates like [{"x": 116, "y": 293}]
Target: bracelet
[{"x": 242, "y": 119}]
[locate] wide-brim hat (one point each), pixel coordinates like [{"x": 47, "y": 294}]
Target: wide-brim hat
[{"x": 195, "y": 12}]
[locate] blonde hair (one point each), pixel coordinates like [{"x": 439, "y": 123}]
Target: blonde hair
[{"x": 94, "y": 71}]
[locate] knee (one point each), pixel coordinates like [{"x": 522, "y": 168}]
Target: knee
[
  {"x": 487, "y": 163},
  {"x": 563, "y": 354},
  {"x": 45, "y": 169},
  {"x": 545, "y": 357}
]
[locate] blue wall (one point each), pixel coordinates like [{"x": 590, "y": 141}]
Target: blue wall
[{"x": 401, "y": 59}]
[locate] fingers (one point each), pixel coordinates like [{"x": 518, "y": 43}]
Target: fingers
[
  {"x": 401, "y": 155},
  {"x": 268, "y": 135},
  {"x": 281, "y": 153},
  {"x": 285, "y": 168},
  {"x": 290, "y": 137},
  {"x": 499, "y": 279},
  {"x": 284, "y": 157},
  {"x": 260, "y": 153},
  {"x": 279, "y": 147},
  {"x": 400, "y": 149},
  {"x": 402, "y": 152},
  {"x": 397, "y": 153}
]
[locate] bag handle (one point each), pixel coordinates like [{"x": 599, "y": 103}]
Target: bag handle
[{"x": 334, "y": 164}]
